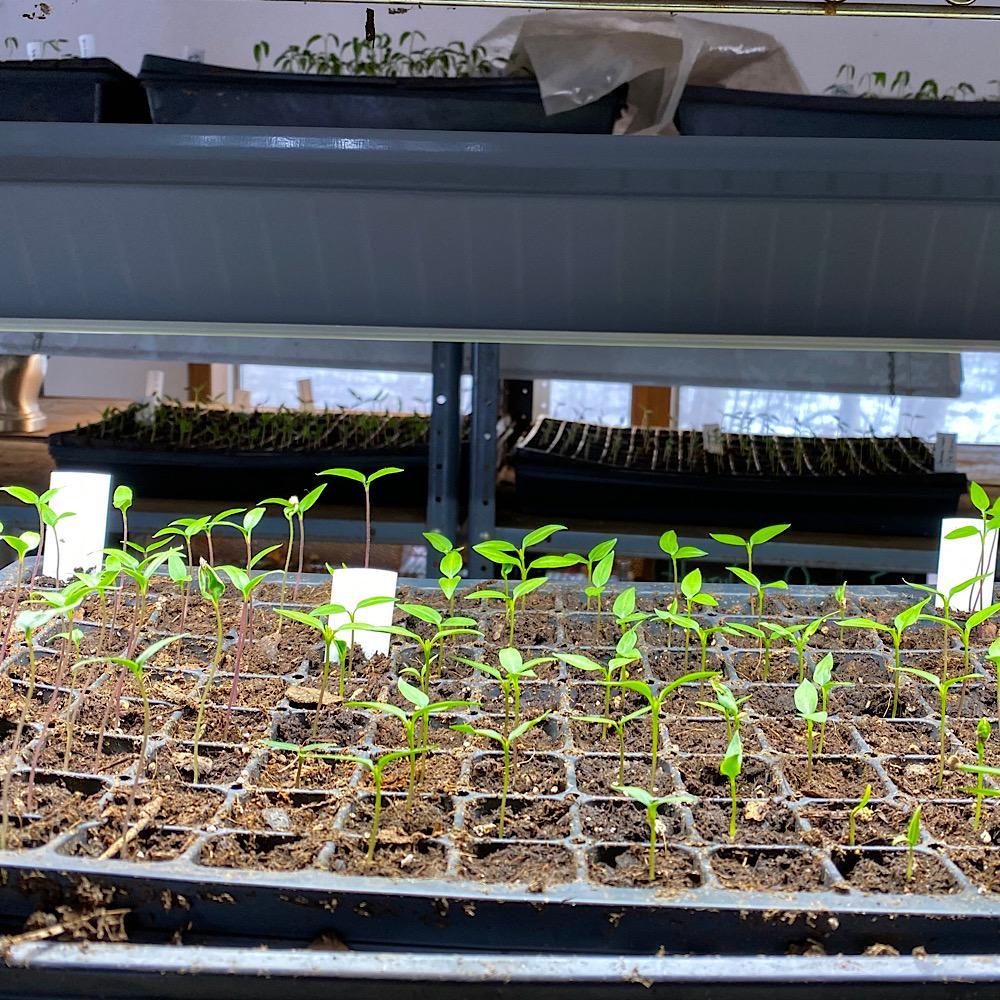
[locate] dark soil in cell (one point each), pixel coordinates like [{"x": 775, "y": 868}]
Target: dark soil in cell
[
  {"x": 668, "y": 665},
  {"x": 951, "y": 823},
  {"x": 781, "y": 667},
  {"x": 784, "y": 871},
  {"x": 885, "y": 871},
  {"x": 772, "y": 700},
  {"x": 701, "y": 777},
  {"x": 596, "y": 775},
  {"x": 437, "y": 771},
  {"x": 531, "y": 628},
  {"x": 581, "y": 630},
  {"x": 57, "y": 804},
  {"x": 284, "y": 812},
  {"x": 151, "y": 844},
  {"x": 524, "y": 818},
  {"x": 758, "y": 821},
  {"x": 875, "y": 825},
  {"x": 416, "y": 858},
  {"x": 788, "y": 737},
  {"x": 830, "y": 636},
  {"x": 238, "y": 726},
  {"x": 118, "y": 753},
  {"x": 587, "y": 698},
  {"x": 129, "y": 720},
  {"x": 862, "y": 668},
  {"x": 275, "y": 652},
  {"x": 533, "y": 774},
  {"x": 876, "y": 699},
  {"x": 830, "y": 777},
  {"x": 887, "y": 736},
  {"x": 981, "y": 867},
  {"x": 536, "y": 866},
  {"x": 536, "y": 697},
  {"x": 547, "y": 735},
  {"x": 342, "y": 728},
  {"x": 622, "y": 819},
  {"x": 217, "y": 765},
  {"x": 919, "y": 776},
  {"x": 400, "y": 821},
  {"x": 622, "y": 865},
  {"x": 694, "y": 736},
  {"x": 279, "y": 771},
  {"x": 586, "y": 736},
  {"x": 262, "y": 851},
  {"x": 251, "y": 692}
]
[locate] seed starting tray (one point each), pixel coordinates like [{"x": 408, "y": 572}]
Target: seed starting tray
[{"x": 570, "y": 903}]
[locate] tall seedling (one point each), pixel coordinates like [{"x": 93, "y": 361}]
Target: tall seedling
[
  {"x": 759, "y": 537},
  {"x": 366, "y": 485},
  {"x": 450, "y": 566},
  {"x": 594, "y": 558},
  {"x": 652, "y": 806},
  {"x": 21, "y": 544},
  {"x": 807, "y": 705},
  {"x": 730, "y": 768},
  {"x": 678, "y": 553},
  {"x": 212, "y": 588},
  {"x": 294, "y": 509},
  {"x": 40, "y": 501},
  {"x": 989, "y": 522},
  {"x": 512, "y": 671}
]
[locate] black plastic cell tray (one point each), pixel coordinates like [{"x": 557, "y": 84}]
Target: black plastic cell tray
[
  {"x": 183, "y": 93},
  {"x": 446, "y": 912}
]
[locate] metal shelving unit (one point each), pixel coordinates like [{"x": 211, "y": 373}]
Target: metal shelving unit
[{"x": 362, "y": 249}]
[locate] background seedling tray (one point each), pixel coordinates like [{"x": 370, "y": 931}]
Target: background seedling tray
[{"x": 571, "y": 914}]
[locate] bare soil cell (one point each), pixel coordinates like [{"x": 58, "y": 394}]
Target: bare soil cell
[
  {"x": 524, "y": 818},
  {"x": 621, "y": 820},
  {"x": 758, "y": 821},
  {"x": 625, "y": 865},
  {"x": 830, "y": 777},
  {"x": 781, "y": 870},
  {"x": 535, "y": 865},
  {"x": 876, "y": 825}
]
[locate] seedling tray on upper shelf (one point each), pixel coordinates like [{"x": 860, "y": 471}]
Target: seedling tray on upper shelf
[
  {"x": 655, "y": 474},
  {"x": 242, "y": 856}
]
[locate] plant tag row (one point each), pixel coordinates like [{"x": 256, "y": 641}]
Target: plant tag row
[
  {"x": 348, "y": 587},
  {"x": 711, "y": 439},
  {"x": 944, "y": 452}
]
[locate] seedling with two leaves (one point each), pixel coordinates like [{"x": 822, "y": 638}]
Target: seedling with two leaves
[
  {"x": 678, "y": 553},
  {"x": 823, "y": 679},
  {"x": 423, "y": 708},
  {"x": 858, "y": 811},
  {"x": 294, "y": 509},
  {"x": 911, "y": 838},
  {"x": 989, "y": 523},
  {"x": 366, "y": 485},
  {"x": 625, "y": 613},
  {"x": 513, "y": 669},
  {"x": 727, "y": 705},
  {"x": 450, "y": 567},
  {"x": 598, "y": 563},
  {"x": 689, "y": 624},
  {"x": 618, "y": 727},
  {"x": 807, "y": 705},
  {"x": 797, "y": 636},
  {"x": 758, "y": 589},
  {"x": 509, "y": 598},
  {"x": 302, "y": 751},
  {"x": 759, "y": 537},
  {"x": 510, "y": 557},
  {"x": 507, "y": 744},
  {"x": 615, "y": 671},
  {"x": 652, "y": 805},
  {"x": 946, "y": 598}
]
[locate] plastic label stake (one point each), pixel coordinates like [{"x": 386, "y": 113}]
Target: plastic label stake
[
  {"x": 88, "y": 47},
  {"x": 961, "y": 559},
  {"x": 305, "y": 390},
  {"x": 348, "y": 587},
  {"x": 944, "y": 453},
  {"x": 77, "y": 541},
  {"x": 711, "y": 439},
  {"x": 241, "y": 400}
]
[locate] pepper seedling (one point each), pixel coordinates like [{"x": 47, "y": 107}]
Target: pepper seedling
[
  {"x": 965, "y": 628},
  {"x": 617, "y": 665},
  {"x": 904, "y": 620},
  {"x": 250, "y": 521},
  {"x": 423, "y": 708},
  {"x": 599, "y": 578},
  {"x": 823, "y": 679},
  {"x": 366, "y": 484},
  {"x": 856, "y": 811},
  {"x": 21, "y": 544},
  {"x": 618, "y": 725},
  {"x": 677, "y": 553},
  {"x": 730, "y": 768},
  {"x": 980, "y": 770},
  {"x": 691, "y": 595},
  {"x": 509, "y": 556},
  {"x": 215, "y": 522},
  {"x": 512, "y": 670},
  {"x": 507, "y": 743},
  {"x": 989, "y": 521},
  {"x": 911, "y": 838},
  {"x": 40, "y": 501},
  {"x": 797, "y": 635},
  {"x": 212, "y": 588},
  {"x": 624, "y": 610},
  {"x": 807, "y": 705},
  {"x": 450, "y": 566},
  {"x": 591, "y": 561},
  {"x": 757, "y": 588},
  {"x": 946, "y": 599},
  {"x": 727, "y": 705},
  {"x": 993, "y": 655},
  {"x": 652, "y": 805},
  {"x": 509, "y": 599},
  {"x": 656, "y": 703},
  {"x": 303, "y": 752},
  {"x": 943, "y": 685},
  {"x": 759, "y": 537},
  {"x": 690, "y": 624}
]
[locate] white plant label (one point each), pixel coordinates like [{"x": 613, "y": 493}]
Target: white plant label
[
  {"x": 711, "y": 439},
  {"x": 35, "y": 50},
  {"x": 348, "y": 587},
  {"x": 242, "y": 400},
  {"x": 305, "y": 391},
  {"x": 88, "y": 47},
  {"x": 944, "y": 452},
  {"x": 959, "y": 559},
  {"x": 77, "y": 542}
]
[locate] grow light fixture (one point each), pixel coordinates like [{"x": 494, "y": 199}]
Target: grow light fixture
[
  {"x": 959, "y": 560},
  {"x": 953, "y": 9},
  {"x": 77, "y": 541}
]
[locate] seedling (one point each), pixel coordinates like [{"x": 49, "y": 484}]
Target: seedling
[
  {"x": 507, "y": 743},
  {"x": 21, "y": 544},
  {"x": 246, "y": 584},
  {"x": 423, "y": 708},
  {"x": 626, "y": 616},
  {"x": 366, "y": 484},
  {"x": 212, "y": 588},
  {"x": 757, "y": 588},
  {"x": 979, "y": 769},
  {"x": 652, "y": 805},
  {"x": 840, "y": 596},
  {"x": 511, "y": 557},
  {"x": 823, "y": 679},
  {"x": 215, "y": 522},
  {"x": 904, "y": 620},
  {"x": 807, "y": 705},
  {"x": 797, "y": 635},
  {"x": 618, "y": 725},
  {"x": 965, "y": 628},
  {"x": 303, "y": 752},
  {"x": 856, "y": 811},
  {"x": 656, "y": 703},
  {"x": 250, "y": 521},
  {"x": 122, "y": 501},
  {"x": 376, "y": 768},
  {"x": 993, "y": 655},
  {"x": 512, "y": 670},
  {"x": 594, "y": 558},
  {"x": 759, "y": 537},
  {"x": 291, "y": 509},
  {"x": 989, "y": 522},
  {"x": 616, "y": 669},
  {"x": 450, "y": 566},
  {"x": 598, "y": 581},
  {"x": 727, "y": 705},
  {"x": 677, "y": 553},
  {"x": 689, "y": 625},
  {"x": 943, "y": 686},
  {"x": 911, "y": 838},
  {"x": 691, "y": 595},
  {"x": 51, "y": 520},
  {"x": 945, "y": 598},
  {"x": 40, "y": 501},
  {"x": 730, "y": 768},
  {"x": 509, "y": 599}
]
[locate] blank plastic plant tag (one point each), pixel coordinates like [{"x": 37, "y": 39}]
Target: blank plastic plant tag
[
  {"x": 88, "y": 48},
  {"x": 711, "y": 439},
  {"x": 242, "y": 400},
  {"x": 348, "y": 587},
  {"x": 81, "y": 537},
  {"x": 305, "y": 391},
  {"x": 959, "y": 560},
  {"x": 35, "y": 50},
  {"x": 944, "y": 452}
]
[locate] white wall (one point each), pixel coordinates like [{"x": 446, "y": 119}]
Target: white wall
[
  {"x": 227, "y": 29},
  {"x": 96, "y": 378}
]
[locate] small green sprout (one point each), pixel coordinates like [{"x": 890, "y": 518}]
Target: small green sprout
[
  {"x": 122, "y": 501},
  {"x": 677, "y": 553},
  {"x": 21, "y": 544},
  {"x": 692, "y": 596},
  {"x": 823, "y": 679},
  {"x": 904, "y": 620},
  {"x": 616, "y": 667},
  {"x": 943, "y": 686},
  {"x": 730, "y": 768},
  {"x": 512, "y": 670},
  {"x": 509, "y": 599},
  {"x": 727, "y": 705},
  {"x": 421, "y": 711},
  {"x": 807, "y": 705},
  {"x": 911, "y": 838},
  {"x": 594, "y": 558},
  {"x": 212, "y": 588},
  {"x": 303, "y": 752},
  {"x": 251, "y": 519},
  {"x": 319, "y": 622},
  {"x": 652, "y": 805},
  {"x": 599, "y": 578},
  {"x": 618, "y": 725},
  {"x": 507, "y": 743},
  {"x": 366, "y": 484},
  {"x": 759, "y": 537},
  {"x": 757, "y": 588},
  {"x": 979, "y": 769},
  {"x": 856, "y": 812}
]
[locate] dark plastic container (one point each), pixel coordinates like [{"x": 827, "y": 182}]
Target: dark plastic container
[
  {"x": 70, "y": 90},
  {"x": 719, "y": 111},
  {"x": 184, "y": 93}
]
